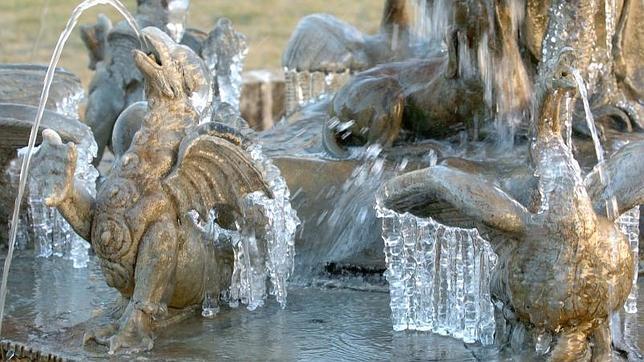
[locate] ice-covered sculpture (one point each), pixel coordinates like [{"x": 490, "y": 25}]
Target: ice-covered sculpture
[
  {"x": 142, "y": 223},
  {"x": 564, "y": 267}
]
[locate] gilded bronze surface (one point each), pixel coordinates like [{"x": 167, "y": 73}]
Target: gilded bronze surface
[
  {"x": 117, "y": 82},
  {"x": 565, "y": 267},
  {"x": 139, "y": 224},
  {"x": 437, "y": 95}
]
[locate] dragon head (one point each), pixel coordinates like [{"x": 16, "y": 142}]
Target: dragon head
[{"x": 171, "y": 71}]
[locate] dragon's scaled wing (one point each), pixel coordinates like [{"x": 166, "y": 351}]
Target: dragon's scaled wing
[
  {"x": 213, "y": 170},
  {"x": 454, "y": 197},
  {"x": 624, "y": 180}
]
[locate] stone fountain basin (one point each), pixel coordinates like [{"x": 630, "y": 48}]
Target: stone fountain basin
[
  {"x": 16, "y": 121},
  {"x": 22, "y": 84},
  {"x": 49, "y": 301}
]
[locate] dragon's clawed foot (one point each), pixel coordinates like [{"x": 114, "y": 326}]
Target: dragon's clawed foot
[
  {"x": 100, "y": 334},
  {"x": 134, "y": 334}
]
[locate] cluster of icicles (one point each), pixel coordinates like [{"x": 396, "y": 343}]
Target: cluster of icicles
[{"x": 43, "y": 227}]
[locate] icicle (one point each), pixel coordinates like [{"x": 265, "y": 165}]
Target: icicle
[
  {"x": 629, "y": 224},
  {"x": 439, "y": 277}
]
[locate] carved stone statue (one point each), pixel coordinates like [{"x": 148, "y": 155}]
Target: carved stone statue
[
  {"x": 140, "y": 222},
  {"x": 564, "y": 265}
]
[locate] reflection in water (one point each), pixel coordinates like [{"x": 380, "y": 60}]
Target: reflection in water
[{"x": 65, "y": 296}]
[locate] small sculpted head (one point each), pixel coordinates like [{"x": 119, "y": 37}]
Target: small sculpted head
[
  {"x": 562, "y": 72},
  {"x": 171, "y": 71}
]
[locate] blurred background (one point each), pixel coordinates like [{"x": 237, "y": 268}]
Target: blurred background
[{"x": 29, "y": 29}]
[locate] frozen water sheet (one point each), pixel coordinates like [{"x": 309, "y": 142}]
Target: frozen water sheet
[{"x": 439, "y": 277}]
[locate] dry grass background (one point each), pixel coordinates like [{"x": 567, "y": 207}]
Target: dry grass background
[{"x": 29, "y": 29}]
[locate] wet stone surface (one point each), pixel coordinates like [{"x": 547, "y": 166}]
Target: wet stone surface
[{"x": 49, "y": 300}]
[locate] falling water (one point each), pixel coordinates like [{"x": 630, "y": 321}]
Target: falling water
[
  {"x": 64, "y": 36},
  {"x": 352, "y": 211},
  {"x": 628, "y": 222},
  {"x": 431, "y": 21},
  {"x": 611, "y": 206}
]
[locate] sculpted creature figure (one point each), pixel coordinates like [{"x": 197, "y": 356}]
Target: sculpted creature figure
[
  {"x": 417, "y": 96},
  {"x": 117, "y": 82},
  {"x": 139, "y": 224},
  {"x": 564, "y": 265},
  {"x": 321, "y": 42},
  {"x": 413, "y": 95},
  {"x": 439, "y": 94}
]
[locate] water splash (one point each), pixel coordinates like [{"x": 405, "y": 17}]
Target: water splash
[
  {"x": 628, "y": 222},
  {"x": 611, "y": 205},
  {"x": 62, "y": 40},
  {"x": 439, "y": 277}
]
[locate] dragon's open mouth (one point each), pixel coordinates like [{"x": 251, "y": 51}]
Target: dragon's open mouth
[{"x": 149, "y": 56}]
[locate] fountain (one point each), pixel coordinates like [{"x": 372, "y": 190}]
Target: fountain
[{"x": 445, "y": 176}]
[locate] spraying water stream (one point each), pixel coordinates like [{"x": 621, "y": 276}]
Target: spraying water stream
[
  {"x": 628, "y": 222},
  {"x": 24, "y": 171}
]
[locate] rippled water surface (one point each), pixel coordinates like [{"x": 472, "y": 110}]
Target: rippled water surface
[{"x": 47, "y": 297}]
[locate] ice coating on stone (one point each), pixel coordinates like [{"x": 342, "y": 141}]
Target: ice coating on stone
[
  {"x": 12, "y": 173},
  {"x": 248, "y": 283},
  {"x": 439, "y": 277},
  {"x": 177, "y": 12},
  {"x": 629, "y": 224},
  {"x": 224, "y": 53},
  {"x": 69, "y": 106},
  {"x": 304, "y": 87},
  {"x": 51, "y": 232},
  {"x": 543, "y": 342},
  {"x": 279, "y": 223},
  {"x": 264, "y": 244}
]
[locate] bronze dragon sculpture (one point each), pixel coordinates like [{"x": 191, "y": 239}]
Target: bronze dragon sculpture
[{"x": 140, "y": 224}]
